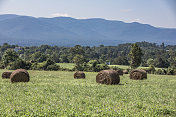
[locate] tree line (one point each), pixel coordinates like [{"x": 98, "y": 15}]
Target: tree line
[{"x": 89, "y": 58}]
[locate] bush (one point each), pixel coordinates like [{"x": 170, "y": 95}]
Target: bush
[
  {"x": 19, "y": 64},
  {"x": 81, "y": 67},
  {"x": 48, "y": 65},
  {"x": 2, "y": 66},
  {"x": 34, "y": 66},
  {"x": 100, "y": 67},
  {"x": 115, "y": 68},
  {"x": 171, "y": 71},
  {"x": 161, "y": 72},
  {"x": 66, "y": 69},
  {"x": 121, "y": 60},
  {"x": 53, "y": 67}
]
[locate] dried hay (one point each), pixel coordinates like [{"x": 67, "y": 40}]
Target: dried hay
[
  {"x": 138, "y": 74},
  {"x": 6, "y": 75},
  {"x": 120, "y": 72},
  {"x": 125, "y": 71},
  {"x": 108, "y": 77},
  {"x": 79, "y": 75},
  {"x": 19, "y": 75}
]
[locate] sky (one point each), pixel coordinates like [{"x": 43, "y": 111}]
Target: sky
[{"x": 159, "y": 13}]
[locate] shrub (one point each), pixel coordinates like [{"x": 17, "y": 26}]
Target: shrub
[
  {"x": 115, "y": 68},
  {"x": 34, "y": 66},
  {"x": 19, "y": 64},
  {"x": 2, "y": 66},
  {"x": 171, "y": 71},
  {"x": 161, "y": 72},
  {"x": 53, "y": 67},
  {"x": 48, "y": 65},
  {"x": 100, "y": 67}
]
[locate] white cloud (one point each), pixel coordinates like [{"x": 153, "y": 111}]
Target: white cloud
[{"x": 60, "y": 15}]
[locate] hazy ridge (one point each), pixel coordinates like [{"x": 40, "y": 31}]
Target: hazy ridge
[{"x": 67, "y": 31}]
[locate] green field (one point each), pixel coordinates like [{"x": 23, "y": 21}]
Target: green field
[
  {"x": 57, "y": 93},
  {"x": 71, "y": 66},
  {"x": 66, "y": 65},
  {"x": 120, "y": 66}
]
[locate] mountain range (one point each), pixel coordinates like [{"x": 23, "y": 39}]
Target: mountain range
[{"x": 67, "y": 31}]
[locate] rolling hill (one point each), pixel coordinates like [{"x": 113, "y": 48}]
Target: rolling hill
[{"x": 67, "y": 31}]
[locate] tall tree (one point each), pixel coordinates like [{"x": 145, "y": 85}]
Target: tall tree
[
  {"x": 79, "y": 60},
  {"x": 135, "y": 56},
  {"x": 9, "y": 56}
]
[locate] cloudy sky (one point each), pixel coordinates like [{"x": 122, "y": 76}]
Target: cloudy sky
[{"x": 159, "y": 13}]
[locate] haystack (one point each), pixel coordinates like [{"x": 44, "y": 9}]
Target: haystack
[
  {"x": 120, "y": 72},
  {"x": 19, "y": 75},
  {"x": 125, "y": 71},
  {"x": 79, "y": 75},
  {"x": 6, "y": 75},
  {"x": 108, "y": 77},
  {"x": 138, "y": 74}
]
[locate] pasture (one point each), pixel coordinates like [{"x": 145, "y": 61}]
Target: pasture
[{"x": 57, "y": 93}]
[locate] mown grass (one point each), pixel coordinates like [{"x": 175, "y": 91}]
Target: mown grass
[
  {"x": 57, "y": 93},
  {"x": 66, "y": 65},
  {"x": 72, "y": 65},
  {"x": 120, "y": 66}
]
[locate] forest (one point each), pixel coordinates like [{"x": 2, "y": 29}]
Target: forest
[{"x": 86, "y": 58}]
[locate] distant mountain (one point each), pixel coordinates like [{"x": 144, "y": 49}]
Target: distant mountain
[{"x": 67, "y": 31}]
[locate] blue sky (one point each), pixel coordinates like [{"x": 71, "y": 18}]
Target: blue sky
[{"x": 159, "y": 13}]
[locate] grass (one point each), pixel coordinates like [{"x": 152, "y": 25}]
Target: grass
[
  {"x": 57, "y": 93},
  {"x": 67, "y": 65},
  {"x": 120, "y": 66},
  {"x": 71, "y": 66}
]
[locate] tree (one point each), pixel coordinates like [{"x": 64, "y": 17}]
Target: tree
[
  {"x": 9, "y": 56},
  {"x": 79, "y": 60},
  {"x": 55, "y": 57},
  {"x": 172, "y": 58},
  {"x": 161, "y": 63},
  {"x": 49, "y": 65},
  {"x": 19, "y": 64},
  {"x": 135, "y": 56},
  {"x": 121, "y": 60},
  {"x": 150, "y": 62},
  {"x": 77, "y": 50},
  {"x": 64, "y": 58},
  {"x": 38, "y": 57}
]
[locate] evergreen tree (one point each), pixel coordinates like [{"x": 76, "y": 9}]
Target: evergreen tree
[
  {"x": 135, "y": 56},
  {"x": 79, "y": 60}
]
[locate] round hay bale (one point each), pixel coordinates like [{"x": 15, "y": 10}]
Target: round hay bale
[
  {"x": 6, "y": 75},
  {"x": 108, "y": 77},
  {"x": 125, "y": 71},
  {"x": 19, "y": 75},
  {"x": 79, "y": 75},
  {"x": 120, "y": 72},
  {"x": 138, "y": 74}
]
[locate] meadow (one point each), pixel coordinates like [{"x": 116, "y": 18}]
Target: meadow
[
  {"x": 72, "y": 65},
  {"x": 57, "y": 93},
  {"x": 66, "y": 65}
]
